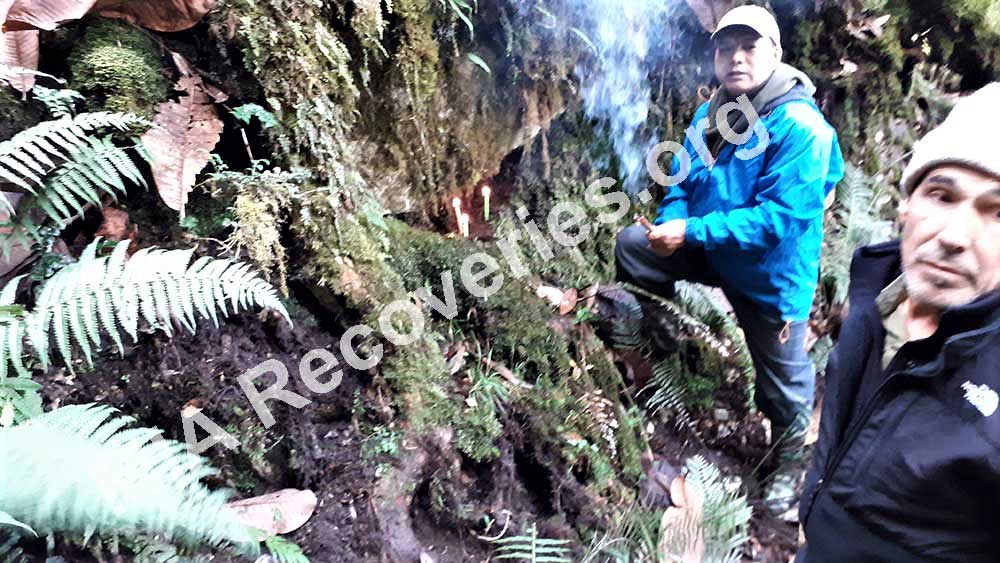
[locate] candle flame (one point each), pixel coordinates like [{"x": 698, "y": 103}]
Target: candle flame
[
  {"x": 486, "y": 191},
  {"x": 456, "y": 203}
]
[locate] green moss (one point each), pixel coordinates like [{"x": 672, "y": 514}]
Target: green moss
[
  {"x": 305, "y": 69},
  {"x": 384, "y": 442},
  {"x": 477, "y": 432},
  {"x": 702, "y": 369},
  {"x": 513, "y": 321},
  {"x": 20, "y": 114},
  {"x": 119, "y": 67},
  {"x": 630, "y": 445}
]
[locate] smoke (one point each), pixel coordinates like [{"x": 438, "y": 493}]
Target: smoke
[{"x": 628, "y": 36}]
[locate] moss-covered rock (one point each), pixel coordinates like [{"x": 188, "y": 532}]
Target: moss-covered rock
[{"x": 118, "y": 68}]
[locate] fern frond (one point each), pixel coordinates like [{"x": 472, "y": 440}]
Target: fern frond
[
  {"x": 19, "y": 400},
  {"x": 96, "y": 475},
  {"x": 160, "y": 552},
  {"x": 701, "y": 307},
  {"x": 722, "y": 522},
  {"x": 532, "y": 548},
  {"x": 58, "y": 101},
  {"x": 285, "y": 551},
  {"x": 667, "y": 392},
  {"x": 110, "y": 294},
  {"x": 626, "y": 331},
  {"x": 857, "y": 223},
  {"x": 99, "y": 168},
  {"x": 28, "y": 157}
]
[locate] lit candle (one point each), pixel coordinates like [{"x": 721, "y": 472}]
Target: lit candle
[
  {"x": 486, "y": 203},
  {"x": 463, "y": 224},
  {"x": 456, "y": 204}
]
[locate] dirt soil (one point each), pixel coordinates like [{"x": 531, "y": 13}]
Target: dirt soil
[
  {"x": 318, "y": 448},
  {"x": 321, "y": 446}
]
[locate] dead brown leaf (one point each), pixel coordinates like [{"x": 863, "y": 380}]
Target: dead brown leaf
[
  {"x": 568, "y": 302},
  {"x": 44, "y": 14},
  {"x": 552, "y": 295},
  {"x": 276, "y": 513},
  {"x": 19, "y": 49},
  {"x": 693, "y": 550},
  {"x": 158, "y": 15},
  {"x": 184, "y": 133},
  {"x": 590, "y": 296},
  {"x": 457, "y": 360},
  {"x": 116, "y": 225},
  {"x": 565, "y": 301},
  {"x": 505, "y": 373},
  {"x": 22, "y": 19},
  {"x": 689, "y": 503}
]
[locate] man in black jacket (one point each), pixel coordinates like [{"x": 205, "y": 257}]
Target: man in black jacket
[{"x": 907, "y": 467}]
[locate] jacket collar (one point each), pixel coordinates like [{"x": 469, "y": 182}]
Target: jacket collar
[
  {"x": 872, "y": 269},
  {"x": 875, "y": 267}
]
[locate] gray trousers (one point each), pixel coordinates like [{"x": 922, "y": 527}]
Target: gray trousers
[{"x": 786, "y": 379}]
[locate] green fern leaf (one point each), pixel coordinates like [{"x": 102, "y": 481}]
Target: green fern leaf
[
  {"x": 111, "y": 293},
  {"x": 284, "y": 551},
  {"x": 532, "y": 548},
  {"x": 121, "y": 479},
  {"x": 64, "y": 167}
]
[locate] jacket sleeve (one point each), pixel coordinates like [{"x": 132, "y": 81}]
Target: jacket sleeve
[
  {"x": 803, "y": 164},
  {"x": 675, "y": 203}
]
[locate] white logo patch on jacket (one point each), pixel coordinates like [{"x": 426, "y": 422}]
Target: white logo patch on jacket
[{"x": 981, "y": 397}]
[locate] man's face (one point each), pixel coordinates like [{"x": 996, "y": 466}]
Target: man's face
[
  {"x": 951, "y": 237},
  {"x": 744, "y": 60}
]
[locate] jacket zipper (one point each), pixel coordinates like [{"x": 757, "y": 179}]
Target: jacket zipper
[
  {"x": 853, "y": 431},
  {"x": 852, "y": 434}
]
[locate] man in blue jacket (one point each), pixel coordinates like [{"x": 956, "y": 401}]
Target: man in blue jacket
[
  {"x": 748, "y": 217},
  {"x": 907, "y": 466}
]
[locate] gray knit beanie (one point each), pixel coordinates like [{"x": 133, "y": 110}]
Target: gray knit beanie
[{"x": 969, "y": 136}]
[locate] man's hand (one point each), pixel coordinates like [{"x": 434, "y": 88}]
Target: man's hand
[{"x": 665, "y": 239}]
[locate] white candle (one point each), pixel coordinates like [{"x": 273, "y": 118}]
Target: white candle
[
  {"x": 486, "y": 203},
  {"x": 456, "y": 204},
  {"x": 463, "y": 224}
]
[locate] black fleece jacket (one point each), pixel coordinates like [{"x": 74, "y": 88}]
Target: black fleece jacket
[{"x": 907, "y": 466}]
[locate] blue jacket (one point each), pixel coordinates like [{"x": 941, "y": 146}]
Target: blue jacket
[{"x": 760, "y": 220}]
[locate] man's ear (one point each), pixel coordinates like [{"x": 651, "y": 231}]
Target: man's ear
[{"x": 904, "y": 210}]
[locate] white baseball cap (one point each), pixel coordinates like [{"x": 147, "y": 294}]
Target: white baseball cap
[
  {"x": 754, "y": 17},
  {"x": 965, "y": 138}
]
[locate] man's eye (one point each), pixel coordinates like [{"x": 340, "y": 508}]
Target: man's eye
[{"x": 939, "y": 195}]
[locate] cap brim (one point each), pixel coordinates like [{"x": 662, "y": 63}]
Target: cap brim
[{"x": 735, "y": 25}]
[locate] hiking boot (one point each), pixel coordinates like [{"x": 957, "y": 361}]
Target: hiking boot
[
  {"x": 781, "y": 498},
  {"x": 782, "y": 493}
]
